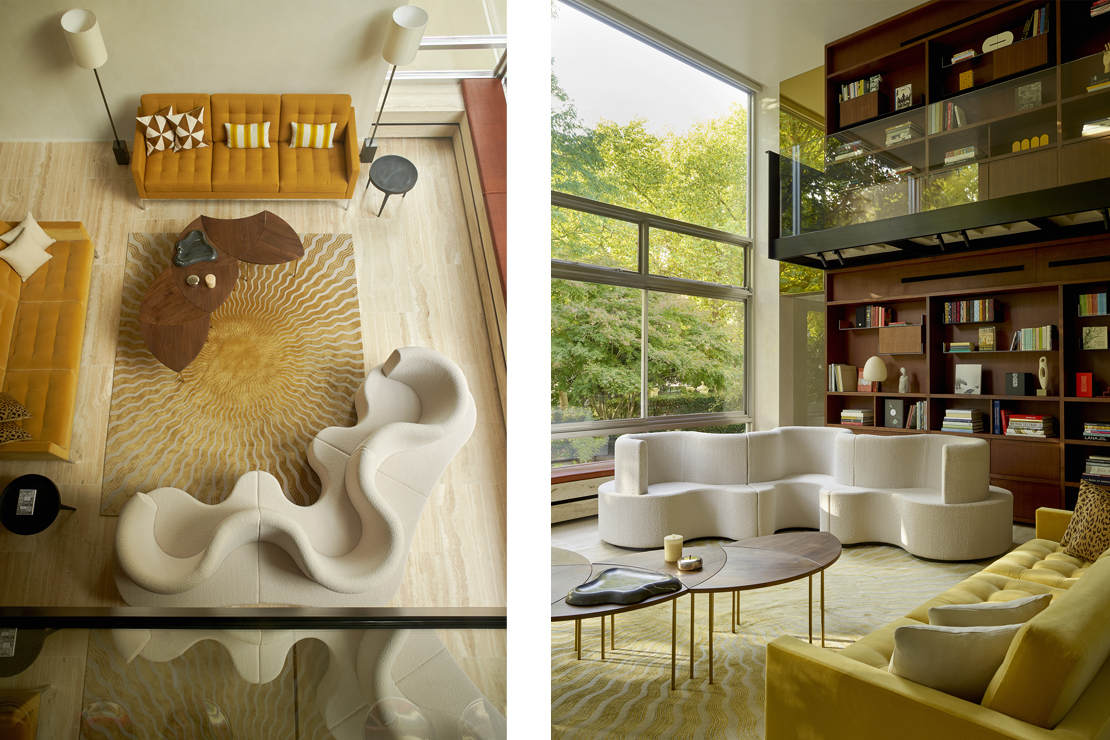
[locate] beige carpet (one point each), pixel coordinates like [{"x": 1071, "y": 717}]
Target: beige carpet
[
  {"x": 628, "y": 694},
  {"x": 282, "y": 361}
]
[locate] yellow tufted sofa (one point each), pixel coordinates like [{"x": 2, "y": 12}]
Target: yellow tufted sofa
[
  {"x": 1054, "y": 682},
  {"x": 277, "y": 172},
  {"x": 42, "y": 328}
]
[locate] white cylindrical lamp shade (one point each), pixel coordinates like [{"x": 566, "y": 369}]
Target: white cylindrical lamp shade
[
  {"x": 874, "y": 370},
  {"x": 405, "y": 34},
  {"x": 85, "y": 42},
  {"x": 672, "y": 548}
]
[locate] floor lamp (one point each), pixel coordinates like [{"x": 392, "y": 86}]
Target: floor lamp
[
  {"x": 401, "y": 44},
  {"x": 87, "y": 46}
]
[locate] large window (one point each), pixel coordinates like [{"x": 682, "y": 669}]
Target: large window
[{"x": 649, "y": 239}]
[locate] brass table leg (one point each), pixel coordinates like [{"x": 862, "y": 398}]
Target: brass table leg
[
  {"x": 822, "y": 608},
  {"x": 603, "y": 636},
  {"x": 710, "y": 637},
  {"x": 691, "y": 634},
  {"x": 735, "y": 610},
  {"x": 674, "y": 638},
  {"x": 613, "y": 627},
  {"x": 811, "y": 610},
  {"x": 578, "y": 637}
]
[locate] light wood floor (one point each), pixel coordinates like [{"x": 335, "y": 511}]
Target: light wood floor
[{"x": 417, "y": 286}]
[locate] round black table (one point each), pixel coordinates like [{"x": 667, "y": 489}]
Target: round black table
[
  {"x": 392, "y": 175},
  {"x": 48, "y": 502}
]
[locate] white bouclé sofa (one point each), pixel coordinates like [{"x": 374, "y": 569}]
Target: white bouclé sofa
[
  {"x": 350, "y": 547},
  {"x": 927, "y": 493}
]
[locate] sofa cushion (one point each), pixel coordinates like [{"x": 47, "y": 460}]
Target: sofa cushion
[
  {"x": 12, "y": 432},
  {"x": 66, "y": 277},
  {"x": 47, "y": 336},
  {"x": 309, "y": 170},
  {"x": 31, "y": 226},
  {"x": 241, "y": 109},
  {"x": 158, "y": 131},
  {"x": 243, "y": 170},
  {"x": 989, "y": 613},
  {"x": 1040, "y": 561},
  {"x": 790, "y": 451},
  {"x": 315, "y": 109},
  {"x": 25, "y": 255},
  {"x": 1088, "y": 533},
  {"x": 1056, "y": 654},
  {"x": 956, "y": 660},
  {"x": 11, "y": 409},
  {"x": 876, "y": 648},
  {"x": 188, "y": 171},
  {"x": 51, "y": 397},
  {"x": 188, "y": 130}
]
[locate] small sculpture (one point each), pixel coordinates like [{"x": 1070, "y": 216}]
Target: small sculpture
[
  {"x": 689, "y": 562},
  {"x": 903, "y": 381},
  {"x": 192, "y": 249},
  {"x": 1106, "y": 59},
  {"x": 1042, "y": 375},
  {"x": 210, "y": 280},
  {"x": 192, "y": 280}
]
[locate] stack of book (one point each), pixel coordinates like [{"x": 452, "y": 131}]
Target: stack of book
[
  {"x": 1038, "y": 337},
  {"x": 860, "y": 87},
  {"x": 945, "y": 117},
  {"x": 904, "y": 131},
  {"x": 965, "y": 421},
  {"x": 1092, "y": 304},
  {"x": 915, "y": 418},
  {"x": 981, "y": 309},
  {"x": 966, "y": 54},
  {"x": 849, "y": 150},
  {"x": 908, "y": 169},
  {"x": 1097, "y": 470},
  {"x": 1031, "y": 425},
  {"x": 965, "y": 154},
  {"x": 1096, "y": 431},
  {"x": 1036, "y": 24},
  {"x": 1102, "y": 125},
  {"x": 857, "y": 417},
  {"x": 843, "y": 378},
  {"x": 960, "y": 347},
  {"x": 1099, "y": 7},
  {"x": 868, "y": 317},
  {"x": 1099, "y": 81}
]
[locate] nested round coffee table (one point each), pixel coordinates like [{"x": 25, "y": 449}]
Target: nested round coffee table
[
  {"x": 569, "y": 569},
  {"x": 745, "y": 565}
]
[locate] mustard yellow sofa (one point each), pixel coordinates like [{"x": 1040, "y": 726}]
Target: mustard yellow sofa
[
  {"x": 277, "y": 172},
  {"x": 1054, "y": 682},
  {"x": 42, "y": 328}
]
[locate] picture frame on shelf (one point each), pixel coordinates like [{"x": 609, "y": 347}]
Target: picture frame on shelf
[
  {"x": 903, "y": 97},
  {"x": 986, "y": 338},
  {"x": 1027, "y": 96},
  {"x": 894, "y": 415},
  {"x": 969, "y": 380},
  {"x": 873, "y": 83},
  {"x": 1094, "y": 337}
]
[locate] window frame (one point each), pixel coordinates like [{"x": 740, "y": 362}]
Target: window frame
[{"x": 642, "y": 279}]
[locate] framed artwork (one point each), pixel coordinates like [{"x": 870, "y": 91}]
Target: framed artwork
[
  {"x": 986, "y": 339},
  {"x": 969, "y": 379},
  {"x": 1094, "y": 337},
  {"x": 903, "y": 97},
  {"x": 1028, "y": 96}
]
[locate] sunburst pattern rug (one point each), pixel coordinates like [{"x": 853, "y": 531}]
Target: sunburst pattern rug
[
  {"x": 282, "y": 361},
  {"x": 628, "y": 695}
]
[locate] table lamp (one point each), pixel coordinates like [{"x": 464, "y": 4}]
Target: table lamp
[
  {"x": 87, "y": 47},
  {"x": 874, "y": 371},
  {"x": 401, "y": 44}
]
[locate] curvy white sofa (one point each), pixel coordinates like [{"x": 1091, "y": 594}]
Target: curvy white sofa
[
  {"x": 930, "y": 494},
  {"x": 347, "y": 549},
  {"x": 715, "y": 485},
  {"x": 927, "y": 493},
  {"x": 364, "y": 667}
]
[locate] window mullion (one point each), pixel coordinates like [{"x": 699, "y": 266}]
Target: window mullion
[{"x": 644, "y": 247}]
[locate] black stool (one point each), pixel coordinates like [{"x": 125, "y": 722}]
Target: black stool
[
  {"x": 392, "y": 175},
  {"x": 47, "y": 504}
]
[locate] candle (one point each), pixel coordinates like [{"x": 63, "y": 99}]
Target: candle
[{"x": 672, "y": 548}]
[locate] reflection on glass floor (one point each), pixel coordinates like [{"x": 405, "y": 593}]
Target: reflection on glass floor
[{"x": 224, "y": 684}]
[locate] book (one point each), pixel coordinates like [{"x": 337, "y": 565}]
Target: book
[
  {"x": 966, "y": 54},
  {"x": 863, "y": 385},
  {"x": 1094, "y": 337},
  {"x": 1092, "y": 304},
  {"x": 986, "y": 339},
  {"x": 996, "y": 416},
  {"x": 846, "y": 376}
]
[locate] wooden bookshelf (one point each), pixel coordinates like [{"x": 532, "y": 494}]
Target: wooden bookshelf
[{"x": 1033, "y": 286}]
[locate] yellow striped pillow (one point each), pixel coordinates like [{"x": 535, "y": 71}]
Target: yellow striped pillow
[
  {"x": 312, "y": 135},
  {"x": 248, "y": 135}
]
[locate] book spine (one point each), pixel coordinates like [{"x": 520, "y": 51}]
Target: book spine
[{"x": 996, "y": 417}]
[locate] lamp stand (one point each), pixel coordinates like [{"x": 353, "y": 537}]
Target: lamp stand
[
  {"x": 370, "y": 144},
  {"x": 119, "y": 148}
]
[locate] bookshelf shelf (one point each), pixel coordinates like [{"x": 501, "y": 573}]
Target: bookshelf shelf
[
  {"x": 984, "y": 397},
  {"x": 998, "y": 351}
]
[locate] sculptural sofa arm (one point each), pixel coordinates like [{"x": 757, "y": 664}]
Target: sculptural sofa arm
[
  {"x": 630, "y": 465},
  {"x": 965, "y": 471}
]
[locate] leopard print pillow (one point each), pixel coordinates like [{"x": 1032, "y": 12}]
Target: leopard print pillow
[
  {"x": 11, "y": 409},
  {"x": 12, "y": 432},
  {"x": 1088, "y": 533}
]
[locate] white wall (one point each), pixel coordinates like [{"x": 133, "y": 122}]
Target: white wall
[{"x": 208, "y": 46}]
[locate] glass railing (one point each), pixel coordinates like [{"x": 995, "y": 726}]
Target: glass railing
[
  {"x": 990, "y": 142},
  {"x": 346, "y": 684}
]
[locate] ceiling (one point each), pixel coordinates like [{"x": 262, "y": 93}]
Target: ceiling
[{"x": 766, "y": 40}]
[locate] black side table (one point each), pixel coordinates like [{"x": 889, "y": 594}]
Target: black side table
[
  {"x": 36, "y": 517},
  {"x": 392, "y": 175}
]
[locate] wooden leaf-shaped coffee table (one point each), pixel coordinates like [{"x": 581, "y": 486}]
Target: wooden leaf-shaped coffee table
[{"x": 174, "y": 317}]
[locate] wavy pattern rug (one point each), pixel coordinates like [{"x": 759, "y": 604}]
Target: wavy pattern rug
[
  {"x": 282, "y": 361},
  {"x": 628, "y": 695}
]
